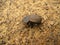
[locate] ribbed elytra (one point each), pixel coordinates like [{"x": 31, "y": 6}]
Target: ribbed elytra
[{"x": 32, "y": 20}]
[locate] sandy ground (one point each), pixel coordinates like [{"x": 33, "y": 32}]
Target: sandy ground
[{"x": 12, "y": 30}]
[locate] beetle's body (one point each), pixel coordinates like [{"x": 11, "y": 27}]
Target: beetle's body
[{"x": 32, "y": 20}]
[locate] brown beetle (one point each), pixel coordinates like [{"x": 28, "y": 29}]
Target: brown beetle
[{"x": 32, "y": 20}]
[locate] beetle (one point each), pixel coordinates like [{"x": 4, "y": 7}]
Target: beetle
[{"x": 32, "y": 20}]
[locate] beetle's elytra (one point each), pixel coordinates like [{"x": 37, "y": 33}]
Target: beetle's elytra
[{"x": 32, "y": 20}]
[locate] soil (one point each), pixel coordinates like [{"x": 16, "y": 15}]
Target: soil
[{"x": 14, "y": 32}]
